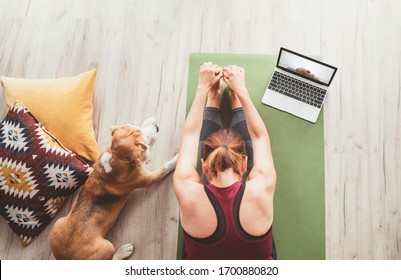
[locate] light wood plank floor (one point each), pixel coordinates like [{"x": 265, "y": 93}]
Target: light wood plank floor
[{"x": 141, "y": 51}]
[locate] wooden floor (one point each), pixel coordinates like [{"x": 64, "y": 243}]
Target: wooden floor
[{"x": 141, "y": 51}]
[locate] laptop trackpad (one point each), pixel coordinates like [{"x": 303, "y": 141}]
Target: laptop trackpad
[{"x": 291, "y": 105}]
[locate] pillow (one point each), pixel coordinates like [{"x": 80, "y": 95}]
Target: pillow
[
  {"x": 36, "y": 173},
  {"x": 63, "y": 106}
]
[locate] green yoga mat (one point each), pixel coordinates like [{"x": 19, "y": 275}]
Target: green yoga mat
[{"x": 298, "y": 152}]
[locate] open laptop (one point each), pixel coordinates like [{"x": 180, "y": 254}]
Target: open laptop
[{"x": 299, "y": 85}]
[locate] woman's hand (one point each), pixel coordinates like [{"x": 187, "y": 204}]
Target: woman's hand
[
  {"x": 234, "y": 77},
  {"x": 209, "y": 75}
]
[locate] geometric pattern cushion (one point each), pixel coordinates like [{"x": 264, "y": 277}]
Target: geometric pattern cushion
[{"x": 37, "y": 173}]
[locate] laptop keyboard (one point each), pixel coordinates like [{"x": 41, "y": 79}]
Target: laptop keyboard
[{"x": 297, "y": 89}]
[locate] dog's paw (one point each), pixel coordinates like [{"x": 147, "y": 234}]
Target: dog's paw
[
  {"x": 171, "y": 164},
  {"x": 124, "y": 252}
]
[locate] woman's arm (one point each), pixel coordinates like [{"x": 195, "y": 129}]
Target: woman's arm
[
  {"x": 263, "y": 166},
  {"x": 185, "y": 171}
]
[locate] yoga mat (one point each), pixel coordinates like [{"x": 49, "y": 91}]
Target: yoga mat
[{"x": 298, "y": 152}]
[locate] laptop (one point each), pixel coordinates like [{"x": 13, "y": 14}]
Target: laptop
[{"x": 299, "y": 85}]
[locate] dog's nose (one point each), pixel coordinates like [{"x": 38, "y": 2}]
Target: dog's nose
[{"x": 157, "y": 128}]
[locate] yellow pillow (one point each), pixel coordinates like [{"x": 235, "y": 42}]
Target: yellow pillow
[{"x": 63, "y": 106}]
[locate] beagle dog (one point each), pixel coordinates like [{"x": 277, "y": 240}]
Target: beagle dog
[{"x": 116, "y": 173}]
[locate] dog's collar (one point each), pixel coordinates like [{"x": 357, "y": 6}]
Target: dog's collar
[{"x": 132, "y": 162}]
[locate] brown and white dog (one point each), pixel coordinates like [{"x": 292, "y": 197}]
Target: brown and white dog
[{"x": 116, "y": 173}]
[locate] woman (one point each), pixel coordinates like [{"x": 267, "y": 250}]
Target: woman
[{"x": 229, "y": 215}]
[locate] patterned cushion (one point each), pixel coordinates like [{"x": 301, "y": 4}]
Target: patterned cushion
[{"x": 36, "y": 173}]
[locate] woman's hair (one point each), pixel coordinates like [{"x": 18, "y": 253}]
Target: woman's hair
[{"x": 223, "y": 149}]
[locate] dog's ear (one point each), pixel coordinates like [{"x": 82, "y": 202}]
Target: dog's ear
[{"x": 112, "y": 129}]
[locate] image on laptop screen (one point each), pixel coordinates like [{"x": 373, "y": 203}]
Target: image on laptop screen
[{"x": 306, "y": 67}]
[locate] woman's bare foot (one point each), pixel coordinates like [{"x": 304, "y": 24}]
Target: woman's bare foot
[
  {"x": 235, "y": 103},
  {"x": 213, "y": 96}
]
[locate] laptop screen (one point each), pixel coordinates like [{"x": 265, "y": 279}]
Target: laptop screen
[{"x": 306, "y": 67}]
